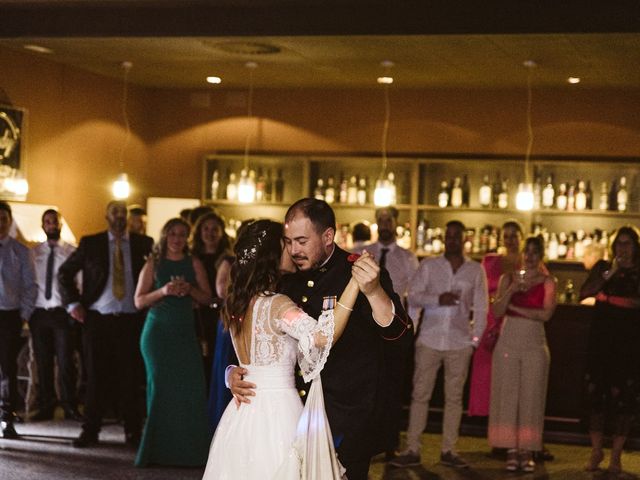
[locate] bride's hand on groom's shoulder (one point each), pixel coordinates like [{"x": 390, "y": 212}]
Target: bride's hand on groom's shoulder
[{"x": 240, "y": 388}]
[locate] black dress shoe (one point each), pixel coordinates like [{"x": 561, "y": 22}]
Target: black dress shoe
[
  {"x": 9, "y": 432},
  {"x": 85, "y": 440},
  {"x": 73, "y": 414},
  {"x": 42, "y": 416}
]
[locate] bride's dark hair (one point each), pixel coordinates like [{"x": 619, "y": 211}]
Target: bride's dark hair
[{"x": 256, "y": 269}]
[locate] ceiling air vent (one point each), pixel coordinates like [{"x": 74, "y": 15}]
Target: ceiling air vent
[{"x": 247, "y": 48}]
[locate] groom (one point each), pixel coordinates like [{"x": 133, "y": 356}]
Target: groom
[{"x": 355, "y": 377}]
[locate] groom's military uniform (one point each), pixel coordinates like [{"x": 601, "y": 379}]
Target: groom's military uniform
[{"x": 355, "y": 376}]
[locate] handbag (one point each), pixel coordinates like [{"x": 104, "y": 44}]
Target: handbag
[{"x": 491, "y": 336}]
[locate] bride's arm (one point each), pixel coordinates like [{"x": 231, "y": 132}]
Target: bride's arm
[{"x": 341, "y": 313}]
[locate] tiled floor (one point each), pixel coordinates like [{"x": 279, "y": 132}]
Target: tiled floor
[{"x": 45, "y": 452}]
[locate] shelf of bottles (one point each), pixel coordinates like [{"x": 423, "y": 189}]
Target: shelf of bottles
[
  {"x": 474, "y": 187},
  {"x": 350, "y": 182},
  {"x": 267, "y": 180}
]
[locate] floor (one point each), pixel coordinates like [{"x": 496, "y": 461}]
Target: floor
[{"x": 45, "y": 452}]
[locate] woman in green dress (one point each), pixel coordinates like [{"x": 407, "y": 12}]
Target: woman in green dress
[{"x": 176, "y": 431}]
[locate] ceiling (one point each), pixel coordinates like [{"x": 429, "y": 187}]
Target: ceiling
[{"x": 354, "y": 61}]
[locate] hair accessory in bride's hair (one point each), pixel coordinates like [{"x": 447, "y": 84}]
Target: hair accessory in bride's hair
[{"x": 251, "y": 251}]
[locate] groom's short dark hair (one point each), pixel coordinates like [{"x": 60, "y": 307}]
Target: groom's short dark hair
[{"x": 318, "y": 211}]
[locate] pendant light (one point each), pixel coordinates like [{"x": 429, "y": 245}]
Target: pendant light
[
  {"x": 384, "y": 193},
  {"x": 247, "y": 182},
  {"x": 121, "y": 188},
  {"x": 524, "y": 197}
]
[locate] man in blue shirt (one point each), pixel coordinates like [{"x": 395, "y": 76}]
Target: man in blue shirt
[{"x": 18, "y": 292}]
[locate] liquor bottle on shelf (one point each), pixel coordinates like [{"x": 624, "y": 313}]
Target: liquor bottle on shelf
[
  {"x": 552, "y": 249},
  {"x": 215, "y": 185},
  {"x": 622, "y": 195},
  {"x": 232, "y": 188},
  {"x": 318, "y": 191},
  {"x": 563, "y": 241},
  {"x": 420, "y": 233},
  {"x": 278, "y": 187},
  {"x": 561, "y": 198},
  {"x": 428, "y": 242},
  {"x": 222, "y": 187},
  {"x": 252, "y": 183},
  {"x": 344, "y": 185},
  {"x": 330, "y": 191},
  {"x": 352, "y": 191},
  {"x": 484, "y": 193},
  {"x": 548, "y": 193},
  {"x": 589, "y": 196},
  {"x": 436, "y": 242},
  {"x": 465, "y": 190},
  {"x": 581, "y": 196},
  {"x": 361, "y": 194},
  {"x": 495, "y": 192},
  {"x": 613, "y": 196},
  {"x": 503, "y": 195},
  {"x": 443, "y": 195},
  {"x": 261, "y": 186},
  {"x": 456, "y": 193},
  {"x": 571, "y": 197},
  {"x": 268, "y": 187},
  {"x": 603, "y": 204},
  {"x": 537, "y": 192}
]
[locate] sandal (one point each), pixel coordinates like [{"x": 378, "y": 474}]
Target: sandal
[{"x": 512, "y": 460}]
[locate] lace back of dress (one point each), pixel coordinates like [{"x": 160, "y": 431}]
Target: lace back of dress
[{"x": 268, "y": 346}]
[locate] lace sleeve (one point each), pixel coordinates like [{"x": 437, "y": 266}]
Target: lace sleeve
[{"x": 293, "y": 321}]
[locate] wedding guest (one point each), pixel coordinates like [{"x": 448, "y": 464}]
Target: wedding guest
[
  {"x": 212, "y": 246},
  {"x": 526, "y": 299},
  {"x": 50, "y": 325},
  {"x": 176, "y": 431},
  {"x": 452, "y": 290},
  {"x": 18, "y": 291},
  {"x": 613, "y": 367},
  {"x": 110, "y": 263},
  {"x": 495, "y": 265}
]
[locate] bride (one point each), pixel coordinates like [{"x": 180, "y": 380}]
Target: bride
[{"x": 273, "y": 437}]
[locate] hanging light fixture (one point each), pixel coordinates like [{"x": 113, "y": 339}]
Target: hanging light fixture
[
  {"x": 524, "y": 197},
  {"x": 121, "y": 188},
  {"x": 247, "y": 183},
  {"x": 383, "y": 195}
]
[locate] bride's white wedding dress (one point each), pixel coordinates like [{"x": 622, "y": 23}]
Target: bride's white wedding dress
[{"x": 272, "y": 437}]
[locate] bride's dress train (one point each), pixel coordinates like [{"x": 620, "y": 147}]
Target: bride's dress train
[{"x": 272, "y": 437}]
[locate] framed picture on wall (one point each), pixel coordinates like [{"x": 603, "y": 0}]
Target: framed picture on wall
[{"x": 13, "y": 185}]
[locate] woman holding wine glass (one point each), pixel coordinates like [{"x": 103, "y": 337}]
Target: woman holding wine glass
[{"x": 520, "y": 366}]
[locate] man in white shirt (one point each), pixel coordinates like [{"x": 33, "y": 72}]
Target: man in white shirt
[
  {"x": 452, "y": 289},
  {"x": 50, "y": 324}
]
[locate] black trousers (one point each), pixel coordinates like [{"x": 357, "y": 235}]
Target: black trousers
[
  {"x": 51, "y": 336},
  {"x": 10, "y": 330},
  {"x": 111, "y": 346}
]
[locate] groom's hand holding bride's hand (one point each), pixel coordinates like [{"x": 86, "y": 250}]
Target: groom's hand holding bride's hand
[
  {"x": 241, "y": 389},
  {"x": 366, "y": 272}
]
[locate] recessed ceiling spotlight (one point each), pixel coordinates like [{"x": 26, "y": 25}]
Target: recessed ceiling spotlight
[
  {"x": 573, "y": 80},
  {"x": 214, "y": 80},
  {"x": 385, "y": 80},
  {"x": 37, "y": 48}
]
